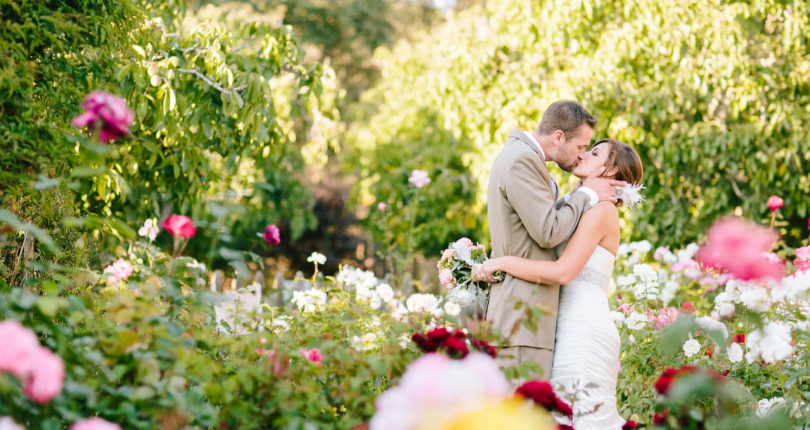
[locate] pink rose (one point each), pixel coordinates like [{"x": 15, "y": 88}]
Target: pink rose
[
  {"x": 448, "y": 253},
  {"x": 313, "y": 355},
  {"x": 803, "y": 253},
  {"x": 465, "y": 241},
  {"x": 180, "y": 225},
  {"x": 272, "y": 235},
  {"x": 419, "y": 178},
  {"x": 626, "y": 307},
  {"x": 775, "y": 202},
  {"x": 47, "y": 376},
  {"x": 111, "y": 110},
  {"x": 119, "y": 271},
  {"x": 446, "y": 277},
  {"x": 381, "y": 206},
  {"x": 19, "y": 346},
  {"x": 660, "y": 252},
  {"x": 737, "y": 246},
  {"x": 94, "y": 423}
]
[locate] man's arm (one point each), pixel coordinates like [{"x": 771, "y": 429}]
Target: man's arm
[{"x": 530, "y": 193}]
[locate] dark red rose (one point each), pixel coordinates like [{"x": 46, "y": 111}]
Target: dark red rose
[
  {"x": 664, "y": 381},
  {"x": 660, "y": 418},
  {"x": 456, "y": 347},
  {"x": 486, "y": 348},
  {"x": 563, "y": 408},
  {"x": 438, "y": 335},
  {"x": 539, "y": 392},
  {"x": 423, "y": 343},
  {"x": 564, "y": 427},
  {"x": 739, "y": 338},
  {"x": 726, "y": 372},
  {"x": 629, "y": 425}
]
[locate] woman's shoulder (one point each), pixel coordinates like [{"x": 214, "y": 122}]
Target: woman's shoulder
[{"x": 605, "y": 209}]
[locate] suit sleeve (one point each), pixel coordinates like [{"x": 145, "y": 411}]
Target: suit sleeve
[{"x": 530, "y": 193}]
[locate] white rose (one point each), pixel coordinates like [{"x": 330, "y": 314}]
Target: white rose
[
  {"x": 618, "y": 318},
  {"x": 735, "y": 353},
  {"x": 385, "y": 292},
  {"x": 691, "y": 347},
  {"x": 452, "y": 308},
  {"x": 461, "y": 296},
  {"x": 645, "y": 273},
  {"x": 726, "y": 309},
  {"x": 422, "y": 303},
  {"x": 636, "y": 321},
  {"x": 625, "y": 280},
  {"x": 772, "y": 343},
  {"x": 765, "y": 406},
  {"x": 709, "y": 324}
]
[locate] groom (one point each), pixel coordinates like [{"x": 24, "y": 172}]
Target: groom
[{"x": 528, "y": 219}]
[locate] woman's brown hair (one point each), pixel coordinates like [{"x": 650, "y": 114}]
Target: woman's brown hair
[{"x": 624, "y": 160}]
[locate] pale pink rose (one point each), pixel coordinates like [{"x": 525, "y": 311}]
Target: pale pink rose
[
  {"x": 465, "y": 241},
  {"x": 381, "y": 206},
  {"x": 180, "y": 225},
  {"x": 737, "y": 246},
  {"x": 723, "y": 279},
  {"x": 419, "y": 178},
  {"x": 19, "y": 346},
  {"x": 118, "y": 271},
  {"x": 47, "y": 376},
  {"x": 448, "y": 253},
  {"x": 626, "y": 307},
  {"x": 446, "y": 277},
  {"x": 111, "y": 110},
  {"x": 803, "y": 253},
  {"x": 313, "y": 355},
  {"x": 660, "y": 252},
  {"x": 94, "y": 423},
  {"x": 6, "y": 423}
]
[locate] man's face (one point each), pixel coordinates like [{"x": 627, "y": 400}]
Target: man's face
[{"x": 572, "y": 150}]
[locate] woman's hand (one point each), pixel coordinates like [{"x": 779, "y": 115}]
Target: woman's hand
[{"x": 484, "y": 271}]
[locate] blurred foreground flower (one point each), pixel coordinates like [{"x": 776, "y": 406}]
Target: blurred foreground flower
[
  {"x": 94, "y": 423},
  {"x": 739, "y": 247},
  {"x": 107, "y": 111},
  {"x": 6, "y": 423},
  {"x": 435, "y": 390},
  {"x": 507, "y": 414},
  {"x": 180, "y": 225},
  {"x": 41, "y": 372}
]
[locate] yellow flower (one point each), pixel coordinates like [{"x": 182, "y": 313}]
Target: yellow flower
[{"x": 513, "y": 414}]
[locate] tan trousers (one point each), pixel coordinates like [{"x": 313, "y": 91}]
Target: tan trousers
[{"x": 510, "y": 356}]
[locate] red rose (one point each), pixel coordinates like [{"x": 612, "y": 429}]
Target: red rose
[
  {"x": 540, "y": 392},
  {"x": 739, "y": 338},
  {"x": 456, "y": 347},
  {"x": 660, "y": 418},
  {"x": 438, "y": 335},
  {"x": 563, "y": 408},
  {"x": 629, "y": 425},
  {"x": 664, "y": 381},
  {"x": 688, "y": 308},
  {"x": 710, "y": 351},
  {"x": 423, "y": 343},
  {"x": 180, "y": 225},
  {"x": 486, "y": 348}
]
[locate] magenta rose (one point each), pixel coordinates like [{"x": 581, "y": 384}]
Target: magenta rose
[
  {"x": 180, "y": 225},
  {"x": 111, "y": 110},
  {"x": 272, "y": 235}
]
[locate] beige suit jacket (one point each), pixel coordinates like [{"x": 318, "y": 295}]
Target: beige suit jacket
[{"x": 525, "y": 221}]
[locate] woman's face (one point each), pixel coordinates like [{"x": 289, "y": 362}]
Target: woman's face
[{"x": 592, "y": 161}]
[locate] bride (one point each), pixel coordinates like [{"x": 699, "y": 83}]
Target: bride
[{"x": 587, "y": 342}]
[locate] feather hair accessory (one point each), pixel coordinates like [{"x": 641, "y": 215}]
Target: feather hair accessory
[{"x": 630, "y": 194}]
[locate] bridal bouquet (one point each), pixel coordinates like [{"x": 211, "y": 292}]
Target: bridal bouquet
[{"x": 456, "y": 268}]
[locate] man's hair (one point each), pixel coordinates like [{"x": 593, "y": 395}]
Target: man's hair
[{"x": 567, "y": 116}]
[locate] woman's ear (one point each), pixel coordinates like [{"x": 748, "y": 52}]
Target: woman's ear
[{"x": 611, "y": 172}]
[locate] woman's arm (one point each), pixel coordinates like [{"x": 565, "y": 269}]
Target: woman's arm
[{"x": 593, "y": 227}]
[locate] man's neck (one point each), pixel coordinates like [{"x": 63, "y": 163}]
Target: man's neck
[{"x": 545, "y": 145}]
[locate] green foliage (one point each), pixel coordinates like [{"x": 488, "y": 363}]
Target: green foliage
[
  {"x": 145, "y": 353},
  {"x": 713, "y": 96}
]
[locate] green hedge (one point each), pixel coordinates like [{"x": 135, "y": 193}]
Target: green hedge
[{"x": 714, "y": 95}]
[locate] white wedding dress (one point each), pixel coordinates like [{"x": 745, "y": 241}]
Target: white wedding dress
[{"x": 587, "y": 345}]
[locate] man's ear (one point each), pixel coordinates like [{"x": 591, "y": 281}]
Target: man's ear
[{"x": 558, "y": 138}]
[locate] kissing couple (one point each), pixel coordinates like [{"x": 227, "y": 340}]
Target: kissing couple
[{"x": 559, "y": 252}]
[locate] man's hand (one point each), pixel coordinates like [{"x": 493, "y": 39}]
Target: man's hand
[{"x": 604, "y": 188}]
